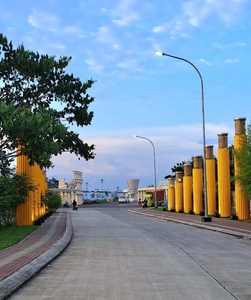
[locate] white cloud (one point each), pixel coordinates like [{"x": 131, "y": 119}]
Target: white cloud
[
  {"x": 196, "y": 13},
  {"x": 130, "y": 64},
  {"x": 231, "y": 61},
  {"x": 176, "y": 27},
  {"x": 120, "y": 156},
  {"x": 105, "y": 35},
  {"x": 75, "y": 31},
  {"x": 238, "y": 44},
  {"x": 160, "y": 28},
  {"x": 232, "y": 45},
  {"x": 203, "y": 61},
  {"x": 44, "y": 20},
  {"x": 94, "y": 66},
  {"x": 126, "y": 19},
  {"x": 116, "y": 46},
  {"x": 58, "y": 46},
  {"x": 124, "y": 15}
]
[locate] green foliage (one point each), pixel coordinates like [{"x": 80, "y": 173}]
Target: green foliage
[
  {"x": 52, "y": 200},
  {"x": 52, "y": 183},
  {"x": 14, "y": 234},
  {"x": 32, "y": 85},
  {"x": 243, "y": 163},
  {"x": 14, "y": 190},
  {"x": 178, "y": 168}
]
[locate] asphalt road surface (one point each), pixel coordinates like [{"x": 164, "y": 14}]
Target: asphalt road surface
[{"x": 117, "y": 255}]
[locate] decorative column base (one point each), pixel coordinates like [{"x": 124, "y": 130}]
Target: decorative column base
[{"x": 206, "y": 219}]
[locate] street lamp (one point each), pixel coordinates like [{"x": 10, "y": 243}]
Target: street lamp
[
  {"x": 206, "y": 218},
  {"x": 102, "y": 183},
  {"x": 154, "y": 167}
]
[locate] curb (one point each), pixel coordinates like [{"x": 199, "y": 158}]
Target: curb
[
  {"x": 14, "y": 282},
  {"x": 217, "y": 229}
]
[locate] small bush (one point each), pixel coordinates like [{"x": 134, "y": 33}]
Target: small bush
[
  {"x": 234, "y": 217},
  {"x": 217, "y": 215},
  {"x": 52, "y": 200}
]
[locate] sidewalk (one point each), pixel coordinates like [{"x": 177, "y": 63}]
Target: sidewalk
[
  {"x": 19, "y": 263},
  {"x": 233, "y": 227}
]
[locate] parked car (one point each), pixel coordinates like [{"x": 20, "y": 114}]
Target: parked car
[{"x": 122, "y": 199}]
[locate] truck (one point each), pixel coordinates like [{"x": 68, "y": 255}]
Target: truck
[{"x": 150, "y": 197}]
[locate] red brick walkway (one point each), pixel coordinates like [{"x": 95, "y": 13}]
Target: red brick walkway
[{"x": 41, "y": 240}]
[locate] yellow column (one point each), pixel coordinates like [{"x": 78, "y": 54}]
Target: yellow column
[
  {"x": 211, "y": 181},
  {"x": 188, "y": 188},
  {"x": 24, "y": 210},
  {"x": 242, "y": 205},
  {"x": 171, "y": 194},
  {"x": 39, "y": 179},
  {"x": 31, "y": 210},
  {"x": 179, "y": 191},
  {"x": 224, "y": 192},
  {"x": 197, "y": 184}
]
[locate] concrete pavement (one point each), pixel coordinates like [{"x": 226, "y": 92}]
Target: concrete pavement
[{"x": 18, "y": 264}]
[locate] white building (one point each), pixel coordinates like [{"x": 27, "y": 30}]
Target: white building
[{"x": 73, "y": 189}]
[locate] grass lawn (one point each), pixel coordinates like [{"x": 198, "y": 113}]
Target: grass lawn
[{"x": 14, "y": 234}]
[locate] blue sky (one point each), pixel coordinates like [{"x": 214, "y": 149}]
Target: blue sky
[{"x": 137, "y": 92}]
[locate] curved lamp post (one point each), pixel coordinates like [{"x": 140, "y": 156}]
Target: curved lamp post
[
  {"x": 154, "y": 167},
  {"x": 206, "y": 218}
]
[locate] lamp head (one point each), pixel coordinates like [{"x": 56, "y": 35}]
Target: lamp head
[{"x": 158, "y": 53}]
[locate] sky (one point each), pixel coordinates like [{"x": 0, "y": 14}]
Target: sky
[{"x": 137, "y": 92}]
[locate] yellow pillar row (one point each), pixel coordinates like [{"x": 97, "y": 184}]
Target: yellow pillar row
[
  {"x": 188, "y": 193},
  {"x": 224, "y": 192},
  {"x": 178, "y": 196},
  {"x": 31, "y": 210},
  {"x": 211, "y": 180},
  {"x": 179, "y": 191},
  {"x": 24, "y": 210},
  {"x": 197, "y": 185},
  {"x": 171, "y": 194},
  {"x": 188, "y": 188}
]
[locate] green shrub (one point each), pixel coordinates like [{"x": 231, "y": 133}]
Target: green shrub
[{"x": 52, "y": 200}]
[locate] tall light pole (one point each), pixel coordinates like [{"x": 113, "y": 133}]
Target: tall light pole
[
  {"x": 206, "y": 218},
  {"x": 154, "y": 167}
]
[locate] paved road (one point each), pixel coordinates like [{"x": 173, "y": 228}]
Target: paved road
[{"x": 118, "y": 255}]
